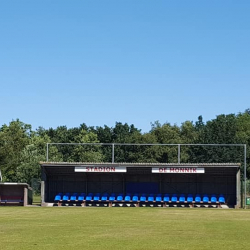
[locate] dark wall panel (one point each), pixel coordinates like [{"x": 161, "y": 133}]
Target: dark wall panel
[
  {"x": 140, "y": 180},
  {"x": 142, "y": 187}
]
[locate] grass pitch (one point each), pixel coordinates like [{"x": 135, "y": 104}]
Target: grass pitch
[{"x": 123, "y": 228}]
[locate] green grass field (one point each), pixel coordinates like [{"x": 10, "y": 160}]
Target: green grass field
[
  {"x": 123, "y": 228},
  {"x": 36, "y": 200}
]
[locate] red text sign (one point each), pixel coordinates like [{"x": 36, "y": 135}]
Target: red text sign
[
  {"x": 179, "y": 170},
  {"x": 93, "y": 169}
]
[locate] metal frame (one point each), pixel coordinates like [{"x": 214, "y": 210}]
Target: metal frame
[{"x": 158, "y": 144}]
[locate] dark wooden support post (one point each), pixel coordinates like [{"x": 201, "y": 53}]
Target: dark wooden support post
[
  {"x": 123, "y": 184},
  {"x": 86, "y": 187}
]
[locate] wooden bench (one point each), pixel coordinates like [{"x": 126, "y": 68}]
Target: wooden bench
[{"x": 11, "y": 200}]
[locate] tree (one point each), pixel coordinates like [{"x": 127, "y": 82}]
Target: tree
[
  {"x": 166, "y": 134},
  {"x": 104, "y": 135},
  {"x": 221, "y": 130},
  {"x": 123, "y": 133},
  {"x": 35, "y": 152},
  {"x": 189, "y": 135},
  {"x": 13, "y": 139},
  {"x": 87, "y": 153},
  {"x": 243, "y": 136}
]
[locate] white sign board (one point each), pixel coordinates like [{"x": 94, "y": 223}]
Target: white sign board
[
  {"x": 178, "y": 170},
  {"x": 104, "y": 169}
]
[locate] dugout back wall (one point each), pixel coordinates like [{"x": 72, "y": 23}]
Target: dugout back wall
[{"x": 141, "y": 178}]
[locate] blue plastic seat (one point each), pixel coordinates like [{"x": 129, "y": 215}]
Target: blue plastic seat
[
  {"x": 66, "y": 197},
  {"x": 197, "y": 198},
  {"x": 174, "y": 198},
  {"x": 135, "y": 197},
  {"x": 151, "y": 198},
  {"x": 166, "y": 198},
  {"x": 73, "y": 197},
  {"x": 127, "y": 197},
  {"x": 119, "y": 197},
  {"x": 222, "y": 198},
  {"x": 158, "y": 198},
  {"x": 112, "y": 197},
  {"x": 190, "y": 198},
  {"x": 205, "y": 198},
  {"x": 58, "y": 197},
  {"x": 89, "y": 197},
  {"x": 143, "y": 198},
  {"x": 104, "y": 197},
  {"x": 96, "y": 197},
  {"x": 182, "y": 198},
  {"x": 81, "y": 197},
  {"x": 213, "y": 198}
]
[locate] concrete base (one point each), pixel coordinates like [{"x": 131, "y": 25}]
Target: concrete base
[{"x": 45, "y": 204}]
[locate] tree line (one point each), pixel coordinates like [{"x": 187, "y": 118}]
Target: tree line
[{"x": 21, "y": 148}]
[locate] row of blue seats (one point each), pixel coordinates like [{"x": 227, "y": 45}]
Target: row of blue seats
[{"x": 139, "y": 198}]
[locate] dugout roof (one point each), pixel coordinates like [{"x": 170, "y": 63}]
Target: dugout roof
[{"x": 69, "y": 167}]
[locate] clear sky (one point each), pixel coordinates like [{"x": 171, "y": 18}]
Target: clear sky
[{"x": 68, "y": 62}]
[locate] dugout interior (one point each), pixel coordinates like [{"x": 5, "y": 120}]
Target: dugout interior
[
  {"x": 15, "y": 194},
  {"x": 140, "y": 178}
]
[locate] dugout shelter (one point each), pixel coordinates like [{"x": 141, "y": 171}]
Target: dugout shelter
[
  {"x": 141, "y": 183},
  {"x": 15, "y": 194}
]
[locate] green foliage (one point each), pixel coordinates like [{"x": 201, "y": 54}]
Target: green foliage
[
  {"x": 13, "y": 140},
  {"x": 31, "y": 155},
  {"x": 21, "y": 149},
  {"x": 166, "y": 134},
  {"x": 86, "y": 153}
]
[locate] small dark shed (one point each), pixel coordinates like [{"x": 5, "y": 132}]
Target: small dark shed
[{"x": 15, "y": 194}]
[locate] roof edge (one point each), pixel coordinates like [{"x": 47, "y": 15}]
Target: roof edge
[{"x": 136, "y": 164}]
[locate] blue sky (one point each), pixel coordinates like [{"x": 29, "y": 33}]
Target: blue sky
[{"x": 135, "y": 61}]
